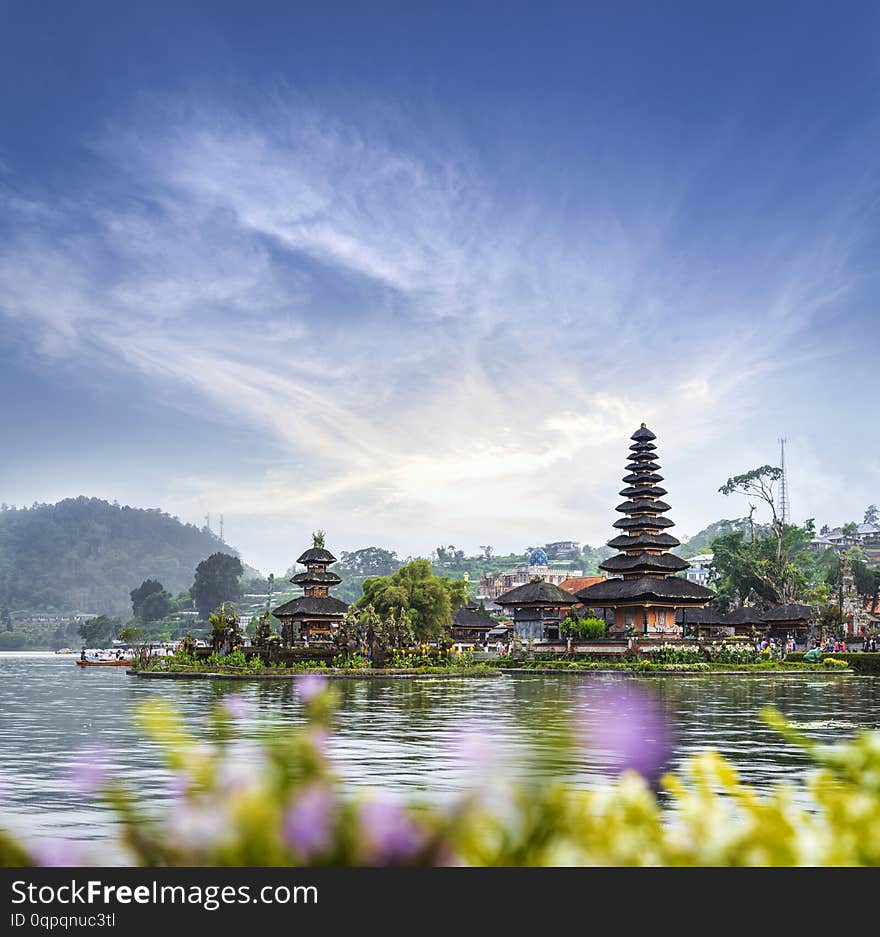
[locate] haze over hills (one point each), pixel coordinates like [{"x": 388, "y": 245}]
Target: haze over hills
[{"x": 86, "y": 555}]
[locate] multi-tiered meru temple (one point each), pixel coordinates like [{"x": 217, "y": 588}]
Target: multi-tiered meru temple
[
  {"x": 647, "y": 591},
  {"x": 314, "y": 615}
]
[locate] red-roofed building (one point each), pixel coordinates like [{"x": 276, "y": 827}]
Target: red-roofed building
[
  {"x": 574, "y": 585},
  {"x": 580, "y": 582}
]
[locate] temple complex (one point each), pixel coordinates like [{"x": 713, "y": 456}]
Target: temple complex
[
  {"x": 313, "y": 615},
  {"x": 646, "y": 591}
]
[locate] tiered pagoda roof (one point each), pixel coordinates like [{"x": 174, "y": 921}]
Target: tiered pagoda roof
[
  {"x": 315, "y": 602},
  {"x": 644, "y": 565}
]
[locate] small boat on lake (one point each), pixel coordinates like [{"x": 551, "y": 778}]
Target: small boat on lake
[{"x": 104, "y": 659}]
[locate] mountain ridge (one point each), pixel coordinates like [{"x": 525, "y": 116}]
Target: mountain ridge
[{"x": 86, "y": 554}]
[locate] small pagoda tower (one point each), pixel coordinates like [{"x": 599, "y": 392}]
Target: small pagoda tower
[
  {"x": 314, "y": 614},
  {"x": 645, "y": 591}
]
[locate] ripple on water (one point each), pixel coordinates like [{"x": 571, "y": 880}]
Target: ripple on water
[{"x": 403, "y": 736}]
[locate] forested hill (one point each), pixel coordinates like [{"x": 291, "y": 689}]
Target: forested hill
[
  {"x": 86, "y": 555},
  {"x": 702, "y": 542}
]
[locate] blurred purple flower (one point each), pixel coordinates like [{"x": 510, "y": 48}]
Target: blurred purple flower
[
  {"x": 236, "y": 706},
  {"x": 627, "y": 723},
  {"x": 196, "y": 825},
  {"x": 234, "y": 774},
  {"x": 54, "y": 853},
  {"x": 178, "y": 784},
  {"x": 308, "y": 823},
  {"x": 391, "y": 834},
  {"x": 91, "y": 774},
  {"x": 477, "y": 751},
  {"x": 320, "y": 738},
  {"x": 309, "y": 686}
]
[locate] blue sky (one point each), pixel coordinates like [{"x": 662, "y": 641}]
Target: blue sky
[{"x": 414, "y": 273}]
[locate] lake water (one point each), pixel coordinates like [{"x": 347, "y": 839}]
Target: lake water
[{"x": 400, "y": 735}]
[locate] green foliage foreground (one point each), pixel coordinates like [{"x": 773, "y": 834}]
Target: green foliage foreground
[{"x": 288, "y": 809}]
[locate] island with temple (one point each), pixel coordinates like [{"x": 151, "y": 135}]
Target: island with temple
[{"x": 643, "y": 616}]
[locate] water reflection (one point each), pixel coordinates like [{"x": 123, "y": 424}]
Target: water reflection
[{"x": 400, "y": 735}]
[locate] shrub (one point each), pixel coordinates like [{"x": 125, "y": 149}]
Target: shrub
[
  {"x": 860, "y": 661},
  {"x": 591, "y": 628}
]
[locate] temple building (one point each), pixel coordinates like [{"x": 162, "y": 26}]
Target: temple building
[
  {"x": 537, "y": 609},
  {"x": 314, "y": 614},
  {"x": 793, "y": 619},
  {"x": 470, "y": 625},
  {"x": 647, "y": 592}
]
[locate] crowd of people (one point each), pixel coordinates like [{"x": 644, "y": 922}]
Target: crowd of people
[
  {"x": 776, "y": 650},
  {"x": 831, "y": 645}
]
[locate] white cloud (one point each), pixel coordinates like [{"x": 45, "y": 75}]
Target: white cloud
[{"x": 433, "y": 352}]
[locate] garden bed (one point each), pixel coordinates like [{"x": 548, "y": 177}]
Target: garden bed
[
  {"x": 647, "y": 668},
  {"x": 332, "y": 673}
]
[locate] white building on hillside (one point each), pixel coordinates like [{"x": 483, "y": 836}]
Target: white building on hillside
[{"x": 700, "y": 572}]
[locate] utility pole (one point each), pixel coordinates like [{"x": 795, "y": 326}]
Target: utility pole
[{"x": 783, "y": 491}]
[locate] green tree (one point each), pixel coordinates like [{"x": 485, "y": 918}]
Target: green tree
[
  {"x": 99, "y": 630},
  {"x": 146, "y": 588},
  {"x": 356, "y": 566},
  {"x": 760, "y": 484},
  {"x": 155, "y": 606},
  {"x": 217, "y": 580},
  {"x": 131, "y": 635},
  {"x": 777, "y": 568},
  {"x": 428, "y": 601},
  {"x": 182, "y": 600},
  {"x": 770, "y": 568},
  {"x": 13, "y": 640},
  {"x": 872, "y": 514}
]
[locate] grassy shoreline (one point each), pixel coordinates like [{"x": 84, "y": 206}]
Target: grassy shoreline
[
  {"x": 680, "y": 670},
  {"x": 565, "y": 668},
  {"x": 332, "y": 673}
]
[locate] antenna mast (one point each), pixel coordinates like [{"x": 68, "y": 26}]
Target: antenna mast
[
  {"x": 208, "y": 520},
  {"x": 221, "y": 528},
  {"x": 783, "y": 492}
]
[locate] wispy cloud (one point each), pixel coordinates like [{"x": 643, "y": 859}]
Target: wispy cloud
[{"x": 432, "y": 352}]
